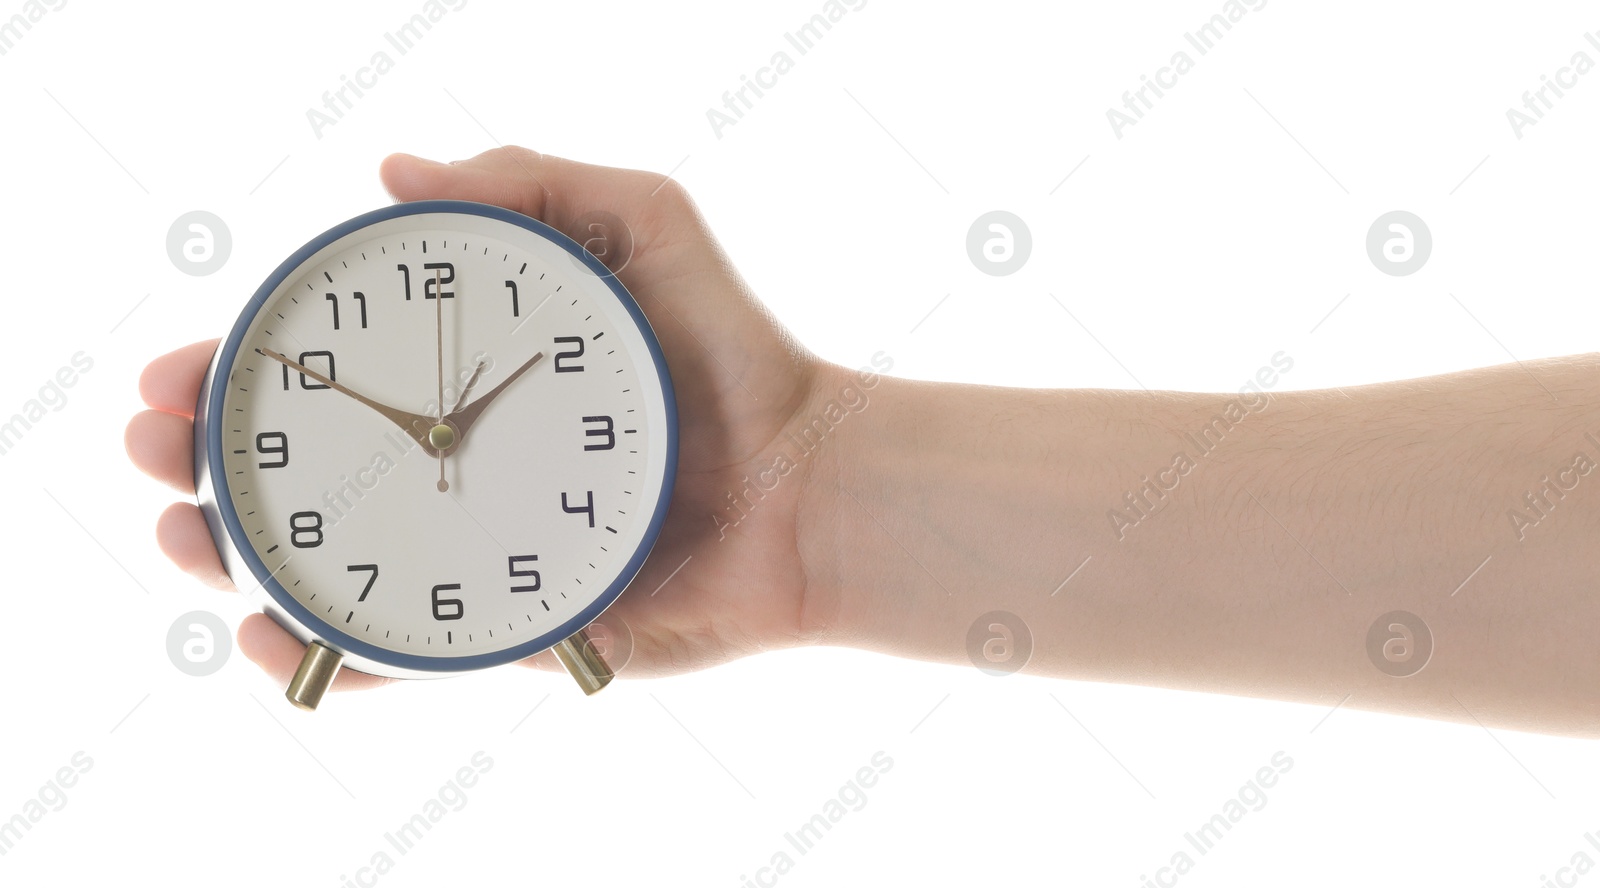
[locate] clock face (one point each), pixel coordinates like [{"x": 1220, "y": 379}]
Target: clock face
[{"x": 417, "y": 539}]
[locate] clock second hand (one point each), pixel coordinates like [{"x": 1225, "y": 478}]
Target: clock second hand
[{"x": 438, "y": 317}]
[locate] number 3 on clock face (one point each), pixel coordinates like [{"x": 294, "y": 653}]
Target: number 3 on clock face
[{"x": 440, "y": 437}]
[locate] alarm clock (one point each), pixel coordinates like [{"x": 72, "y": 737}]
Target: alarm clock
[{"x": 440, "y": 437}]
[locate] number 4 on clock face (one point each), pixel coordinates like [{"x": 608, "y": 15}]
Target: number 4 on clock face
[{"x": 586, "y": 509}]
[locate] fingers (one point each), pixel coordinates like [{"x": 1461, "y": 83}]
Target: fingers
[
  {"x": 554, "y": 190},
  {"x": 182, "y": 534},
  {"x": 171, "y": 383},
  {"x": 414, "y": 178},
  {"x": 278, "y": 654},
  {"x": 162, "y": 446},
  {"x": 709, "y": 323}
]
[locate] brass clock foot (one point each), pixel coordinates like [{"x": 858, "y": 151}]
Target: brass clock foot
[
  {"x": 583, "y": 662},
  {"x": 315, "y": 675}
]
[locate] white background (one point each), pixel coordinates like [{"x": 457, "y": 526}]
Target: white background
[{"x": 1209, "y": 237}]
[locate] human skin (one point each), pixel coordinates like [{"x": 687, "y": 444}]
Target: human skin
[
  {"x": 1263, "y": 570},
  {"x": 930, "y": 504}
]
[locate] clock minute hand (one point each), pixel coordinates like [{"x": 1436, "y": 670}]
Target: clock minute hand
[
  {"x": 464, "y": 417},
  {"x": 412, "y": 424}
]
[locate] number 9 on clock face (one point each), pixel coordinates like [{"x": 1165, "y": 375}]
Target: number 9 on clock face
[{"x": 440, "y": 437}]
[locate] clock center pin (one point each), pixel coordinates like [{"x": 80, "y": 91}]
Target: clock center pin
[{"x": 442, "y": 437}]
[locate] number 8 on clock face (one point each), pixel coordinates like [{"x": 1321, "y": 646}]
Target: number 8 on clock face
[{"x": 440, "y": 437}]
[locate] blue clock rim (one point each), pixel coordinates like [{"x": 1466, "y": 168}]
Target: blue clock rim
[{"x": 230, "y": 515}]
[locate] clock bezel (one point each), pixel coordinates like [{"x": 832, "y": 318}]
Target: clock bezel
[{"x": 239, "y": 556}]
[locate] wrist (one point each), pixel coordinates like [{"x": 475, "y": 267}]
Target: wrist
[
  {"x": 836, "y": 434},
  {"x": 938, "y": 503}
]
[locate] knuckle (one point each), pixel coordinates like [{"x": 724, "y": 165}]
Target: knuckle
[
  {"x": 527, "y": 155},
  {"x": 671, "y": 191}
]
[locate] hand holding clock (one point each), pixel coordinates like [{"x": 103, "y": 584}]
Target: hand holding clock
[
  {"x": 727, "y": 600},
  {"x": 920, "y": 515}
]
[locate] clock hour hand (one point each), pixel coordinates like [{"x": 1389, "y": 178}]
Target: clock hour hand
[
  {"x": 415, "y": 425},
  {"x": 464, "y": 417}
]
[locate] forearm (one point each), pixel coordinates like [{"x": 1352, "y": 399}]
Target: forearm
[{"x": 1253, "y": 564}]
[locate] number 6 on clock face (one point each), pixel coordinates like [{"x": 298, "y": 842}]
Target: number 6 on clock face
[{"x": 440, "y": 437}]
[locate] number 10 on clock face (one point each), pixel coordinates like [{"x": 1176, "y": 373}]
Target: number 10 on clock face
[{"x": 441, "y": 437}]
